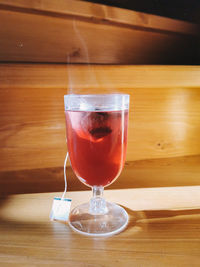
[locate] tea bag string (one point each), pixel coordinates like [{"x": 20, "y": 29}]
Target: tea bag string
[{"x": 65, "y": 179}]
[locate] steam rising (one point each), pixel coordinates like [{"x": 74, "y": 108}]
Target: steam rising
[{"x": 84, "y": 79}]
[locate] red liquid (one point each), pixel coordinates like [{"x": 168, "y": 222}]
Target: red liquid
[{"x": 97, "y": 144}]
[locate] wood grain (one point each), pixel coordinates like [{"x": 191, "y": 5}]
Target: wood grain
[
  {"x": 180, "y": 171},
  {"x": 73, "y": 31},
  {"x": 75, "y": 78},
  {"x": 163, "y": 230},
  {"x": 103, "y": 14},
  {"x": 164, "y": 112}
]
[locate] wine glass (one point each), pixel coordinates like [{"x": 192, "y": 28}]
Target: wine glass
[{"x": 97, "y": 140}]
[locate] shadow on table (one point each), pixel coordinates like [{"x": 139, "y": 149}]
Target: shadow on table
[
  {"x": 142, "y": 223},
  {"x": 147, "y": 220}
]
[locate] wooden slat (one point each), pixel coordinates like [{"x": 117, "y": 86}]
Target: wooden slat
[
  {"x": 181, "y": 199},
  {"x": 164, "y": 120},
  {"x": 78, "y": 32},
  {"x": 180, "y": 171},
  {"x": 103, "y": 14},
  {"x": 96, "y": 77},
  {"x": 163, "y": 230}
]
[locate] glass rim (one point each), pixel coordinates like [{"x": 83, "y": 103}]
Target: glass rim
[
  {"x": 92, "y": 95},
  {"x": 96, "y": 102}
]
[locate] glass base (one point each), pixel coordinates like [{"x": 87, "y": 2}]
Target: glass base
[{"x": 113, "y": 221}]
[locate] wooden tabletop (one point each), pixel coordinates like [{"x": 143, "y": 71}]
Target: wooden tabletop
[{"x": 163, "y": 230}]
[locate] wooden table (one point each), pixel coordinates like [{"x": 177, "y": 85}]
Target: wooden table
[{"x": 163, "y": 230}]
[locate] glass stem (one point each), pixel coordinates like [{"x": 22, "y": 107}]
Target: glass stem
[{"x": 97, "y": 202}]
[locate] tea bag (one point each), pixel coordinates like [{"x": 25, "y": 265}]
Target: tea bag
[
  {"x": 61, "y": 205},
  {"x": 96, "y": 124},
  {"x": 60, "y": 209}
]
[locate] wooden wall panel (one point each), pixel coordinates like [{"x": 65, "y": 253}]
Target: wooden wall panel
[
  {"x": 75, "y": 32},
  {"x": 164, "y": 111}
]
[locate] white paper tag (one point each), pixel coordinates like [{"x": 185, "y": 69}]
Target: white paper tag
[{"x": 60, "y": 209}]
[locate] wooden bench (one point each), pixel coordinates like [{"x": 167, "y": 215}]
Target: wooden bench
[{"x": 38, "y": 40}]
